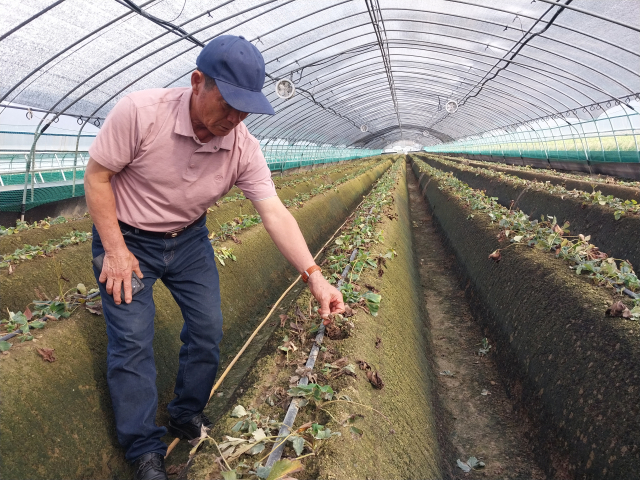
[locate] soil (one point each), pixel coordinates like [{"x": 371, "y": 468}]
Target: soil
[{"x": 470, "y": 424}]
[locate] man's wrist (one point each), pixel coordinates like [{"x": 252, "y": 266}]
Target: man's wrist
[
  {"x": 306, "y": 274},
  {"x": 317, "y": 275}
]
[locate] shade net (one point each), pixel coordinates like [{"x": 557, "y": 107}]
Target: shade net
[{"x": 366, "y": 73}]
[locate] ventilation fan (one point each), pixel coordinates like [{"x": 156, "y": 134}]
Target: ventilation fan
[
  {"x": 451, "y": 106},
  {"x": 285, "y": 88},
  {"x": 364, "y": 128}
]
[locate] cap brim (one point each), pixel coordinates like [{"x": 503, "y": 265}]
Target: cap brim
[{"x": 244, "y": 100}]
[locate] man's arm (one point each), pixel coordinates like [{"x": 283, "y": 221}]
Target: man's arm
[
  {"x": 286, "y": 234},
  {"x": 119, "y": 262}
]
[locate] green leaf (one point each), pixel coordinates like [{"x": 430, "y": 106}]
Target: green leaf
[
  {"x": 239, "y": 411},
  {"x": 4, "y": 346},
  {"x": 283, "y": 468},
  {"x": 238, "y": 426},
  {"x": 357, "y": 431},
  {"x": 25, "y": 328},
  {"x": 37, "y": 324},
  {"x": 256, "y": 449},
  {"x": 298, "y": 444},
  {"x": 230, "y": 475},
  {"x": 263, "y": 472}
]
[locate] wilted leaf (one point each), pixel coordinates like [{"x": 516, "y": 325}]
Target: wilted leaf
[
  {"x": 11, "y": 269},
  {"x": 474, "y": 463},
  {"x": 496, "y": 256},
  {"x": 228, "y": 475},
  {"x": 284, "y": 467},
  {"x": 283, "y": 319},
  {"x": 28, "y": 314},
  {"x": 238, "y": 412},
  {"x": 47, "y": 354},
  {"x": 517, "y": 238},
  {"x": 259, "y": 435},
  {"x": 618, "y": 309},
  {"x": 465, "y": 468},
  {"x": 82, "y": 289},
  {"x": 375, "y": 380},
  {"x": 356, "y": 431}
]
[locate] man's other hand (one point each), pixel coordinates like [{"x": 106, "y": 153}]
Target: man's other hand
[
  {"x": 116, "y": 271},
  {"x": 327, "y": 295}
]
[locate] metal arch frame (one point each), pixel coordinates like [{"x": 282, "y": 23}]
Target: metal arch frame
[
  {"x": 551, "y": 108},
  {"x": 302, "y": 47},
  {"x": 394, "y": 19},
  {"x": 554, "y": 53}
]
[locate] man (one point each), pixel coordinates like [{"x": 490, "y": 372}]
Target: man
[{"x": 161, "y": 159}]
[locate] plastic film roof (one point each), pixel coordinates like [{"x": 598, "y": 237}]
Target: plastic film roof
[{"x": 391, "y": 65}]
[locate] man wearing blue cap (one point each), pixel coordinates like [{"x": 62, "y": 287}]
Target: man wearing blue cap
[{"x": 161, "y": 159}]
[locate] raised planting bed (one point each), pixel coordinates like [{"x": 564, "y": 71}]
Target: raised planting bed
[
  {"x": 40, "y": 232},
  {"x": 571, "y": 367},
  {"x": 626, "y": 190},
  {"x": 369, "y": 412},
  {"x": 613, "y": 225},
  {"x": 67, "y": 402},
  {"x": 630, "y": 170}
]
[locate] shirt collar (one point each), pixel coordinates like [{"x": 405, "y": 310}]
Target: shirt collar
[{"x": 185, "y": 128}]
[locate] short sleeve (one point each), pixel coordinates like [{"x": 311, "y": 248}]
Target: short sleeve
[
  {"x": 255, "y": 180},
  {"x": 116, "y": 144}
]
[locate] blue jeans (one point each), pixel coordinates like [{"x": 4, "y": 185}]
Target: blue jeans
[{"x": 186, "y": 265}]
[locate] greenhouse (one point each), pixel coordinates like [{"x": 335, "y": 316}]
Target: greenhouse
[{"x": 457, "y": 183}]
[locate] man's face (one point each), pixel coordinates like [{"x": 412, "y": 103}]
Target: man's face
[{"x": 213, "y": 112}]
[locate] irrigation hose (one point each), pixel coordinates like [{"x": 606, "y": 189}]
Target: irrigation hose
[
  {"x": 259, "y": 327},
  {"x": 292, "y": 411}
]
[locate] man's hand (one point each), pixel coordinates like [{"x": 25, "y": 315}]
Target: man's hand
[
  {"x": 116, "y": 271},
  {"x": 328, "y": 296}
]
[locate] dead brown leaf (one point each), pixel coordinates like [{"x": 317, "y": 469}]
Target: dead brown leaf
[
  {"x": 94, "y": 307},
  {"x": 372, "y": 288},
  {"x": 300, "y": 315},
  {"x": 496, "y": 256},
  {"x": 175, "y": 469},
  {"x": 236, "y": 239},
  {"x": 557, "y": 229},
  {"x": 47, "y": 354},
  {"x": 283, "y": 319},
  {"x": 11, "y": 269},
  {"x": 28, "y": 314},
  {"x": 378, "y": 342},
  {"x": 363, "y": 365},
  {"x": 375, "y": 380},
  {"x": 348, "y": 311},
  {"x": 293, "y": 379},
  {"x": 618, "y": 309}
]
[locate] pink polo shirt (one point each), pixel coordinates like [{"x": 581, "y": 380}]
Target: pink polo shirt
[{"x": 166, "y": 177}]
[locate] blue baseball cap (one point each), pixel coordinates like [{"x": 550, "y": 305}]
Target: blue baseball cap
[{"x": 237, "y": 67}]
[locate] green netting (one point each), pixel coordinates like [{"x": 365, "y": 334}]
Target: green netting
[
  {"x": 610, "y": 138},
  {"x": 11, "y": 201}
]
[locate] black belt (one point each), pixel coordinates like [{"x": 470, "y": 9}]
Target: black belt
[{"x": 171, "y": 234}]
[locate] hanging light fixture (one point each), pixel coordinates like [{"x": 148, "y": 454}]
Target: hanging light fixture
[{"x": 285, "y": 88}]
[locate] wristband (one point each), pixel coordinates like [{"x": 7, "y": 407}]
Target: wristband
[{"x": 307, "y": 273}]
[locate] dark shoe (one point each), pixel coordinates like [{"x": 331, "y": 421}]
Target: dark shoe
[
  {"x": 192, "y": 429},
  {"x": 150, "y": 466}
]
